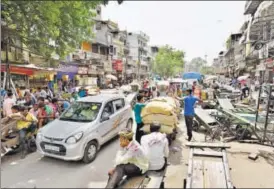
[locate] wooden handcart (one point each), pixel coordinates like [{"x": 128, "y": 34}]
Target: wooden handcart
[{"x": 208, "y": 169}]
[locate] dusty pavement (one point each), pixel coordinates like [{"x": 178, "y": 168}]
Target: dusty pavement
[{"x": 245, "y": 173}]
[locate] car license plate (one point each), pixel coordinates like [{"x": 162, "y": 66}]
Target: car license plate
[{"x": 53, "y": 148}]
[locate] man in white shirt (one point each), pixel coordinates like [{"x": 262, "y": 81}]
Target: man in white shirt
[
  {"x": 41, "y": 92},
  {"x": 7, "y": 104},
  {"x": 155, "y": 146},
  {"x": 48, "y": 92},
  {"x": 130, "y": 160}
]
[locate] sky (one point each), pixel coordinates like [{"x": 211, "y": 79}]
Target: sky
[{"x": 199, "y": 28}]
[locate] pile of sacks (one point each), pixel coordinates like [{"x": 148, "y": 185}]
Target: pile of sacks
[{"x": 164, "y": 110}]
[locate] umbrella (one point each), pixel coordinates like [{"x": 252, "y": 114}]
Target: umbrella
[
  {"x": 243, "y": 77},
  {"x": 112, "y": 77},
  {"x": 211, "y": 78}
]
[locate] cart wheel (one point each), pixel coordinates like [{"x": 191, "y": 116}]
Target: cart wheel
[
  {"x": 243, "y": 133},
  {"x": 195, "y": 125},
  {"x": 184, "y": 183}
]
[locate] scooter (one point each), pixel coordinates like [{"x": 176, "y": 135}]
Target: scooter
[{"x": 10, "y": 142}]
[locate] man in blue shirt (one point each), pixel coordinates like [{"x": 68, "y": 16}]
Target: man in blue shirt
[
  {"x": 189, "y": 102},
  {"x": 137, "y": 111}
]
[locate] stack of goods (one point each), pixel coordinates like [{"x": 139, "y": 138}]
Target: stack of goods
[
  {"x": 163, "y": 110},
  {"x": 204, "y": 95}
]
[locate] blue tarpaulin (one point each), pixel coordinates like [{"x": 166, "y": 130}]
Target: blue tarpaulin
[{"x": 192, "y": 75}]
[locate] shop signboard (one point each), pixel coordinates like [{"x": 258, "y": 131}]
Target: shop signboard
[
  {"x": 83, "y": 70},
  {"x": 117, "y": 65},
  {"x": 67, "y": 68},
  {"x": 18, "y": 70}
]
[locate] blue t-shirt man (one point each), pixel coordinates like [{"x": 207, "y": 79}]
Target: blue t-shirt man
[{"x": 189, "y": 102}]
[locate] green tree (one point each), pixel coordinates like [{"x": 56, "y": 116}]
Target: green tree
[
  {"x": 197, "y": 63},
  {"x": 207, "y": 70},
  {"x": 168, "y": 61},
  {"x": 48, "y": 27}
]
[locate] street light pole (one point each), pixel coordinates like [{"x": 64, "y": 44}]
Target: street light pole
[
  {"x": 139, "y": 64},
  {"x": 7, "y": 64}
]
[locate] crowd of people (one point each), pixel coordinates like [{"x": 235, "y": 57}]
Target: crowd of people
[{"x": 35, "y": 108}]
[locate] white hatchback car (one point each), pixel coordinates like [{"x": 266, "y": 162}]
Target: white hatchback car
[{"x": 80, "y": 131}]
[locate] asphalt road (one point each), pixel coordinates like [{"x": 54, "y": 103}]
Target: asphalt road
[
  {"x": 44, "y": 172},
  {"x": 36, "y": 171}
]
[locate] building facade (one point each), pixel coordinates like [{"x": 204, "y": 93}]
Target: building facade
[{"x": 138, "y": 53}]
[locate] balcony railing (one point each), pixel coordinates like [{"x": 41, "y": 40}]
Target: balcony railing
[{"x": 251, "y": 6}]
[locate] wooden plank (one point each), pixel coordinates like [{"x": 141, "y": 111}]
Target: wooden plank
[
  {"x": 207, "y": 145},
  {"x": 253, "y": 156},
  {"x": 197, "y": 175},
  {"x": 207, "y": 153},
  {"x": 155, "y": 179},
  {"x": 214, "y": 175},
  {"x": 133, "y": 182},
  {"x": 204, "y": 116},
  {"x": 189, "y": 171},
  {"x": 226, "y": 169},
  {"x": 225, "y": 104}
]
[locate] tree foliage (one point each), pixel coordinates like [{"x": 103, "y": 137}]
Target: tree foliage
[
  {"x": 207, "y": 70},
  {"x": 48, "y": 27},
  {"x": 197, "y": 63},
  {"x": 168, "y": 61}
]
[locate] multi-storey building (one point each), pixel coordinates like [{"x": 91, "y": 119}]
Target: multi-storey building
[
  {"x": 119, "y": 51},
  {"x": 260, "y": 37},
  {"x": 138, "y": 53},
  {"x": 153, "y": 50},
  {"x": 233, "y": 53}
]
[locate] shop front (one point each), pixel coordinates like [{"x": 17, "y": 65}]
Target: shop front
[
  {"x": 42, "y": 78},
  {"x": 19, "y": 75}
]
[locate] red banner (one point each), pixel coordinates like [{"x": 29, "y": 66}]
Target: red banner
[
  {"x": 117, "y": 65},
  {"x": 18, "y": 70}
]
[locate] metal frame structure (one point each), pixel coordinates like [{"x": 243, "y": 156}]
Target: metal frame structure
[{"x": 267, "y": 137}]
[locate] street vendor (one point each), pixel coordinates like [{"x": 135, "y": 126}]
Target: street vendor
[
  {"x": 155, "y": 146},
  {"x": 130, "y": 160}
]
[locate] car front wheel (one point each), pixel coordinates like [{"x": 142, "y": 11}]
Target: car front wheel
[{"x": 90, "y": 152}]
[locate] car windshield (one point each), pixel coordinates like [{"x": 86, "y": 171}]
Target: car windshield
[{"x": 81, "y": 112}]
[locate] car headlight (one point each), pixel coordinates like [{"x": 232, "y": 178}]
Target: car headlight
[
  {"x": 74, "y": 138},
  {"x": 39, "y": 136}
]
